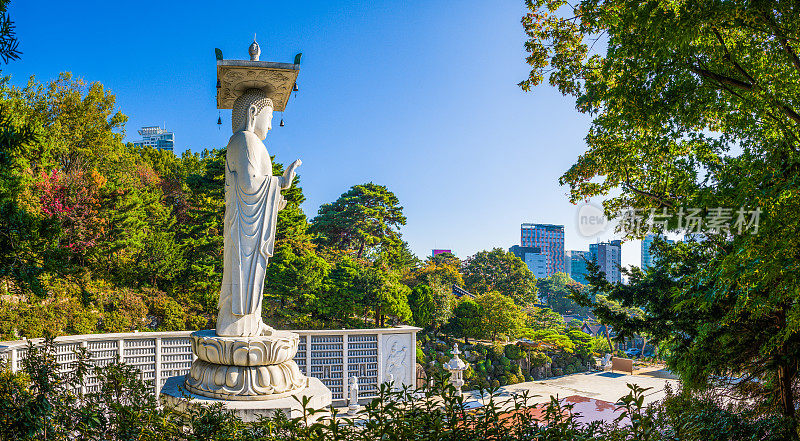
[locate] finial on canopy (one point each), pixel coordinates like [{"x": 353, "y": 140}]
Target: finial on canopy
[
  {"x": 255, "y": 50},
  {"x": 235, "y": 77}
]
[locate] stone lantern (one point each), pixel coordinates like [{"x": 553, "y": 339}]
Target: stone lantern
[{"x": 456, "y": 367}]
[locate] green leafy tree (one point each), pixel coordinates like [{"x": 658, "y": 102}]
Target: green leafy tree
[
  {"x": 343, "y": 295},
  {"x": 422, "y": 305},
  {"x": 544, "y": 318},
  {"x": 363, "y": 219},
  {"x": 501, "y": 315},
  {"x": 385, "y": 294},
  {"x": 445, "y": 259},
  {"x": 466, "y": 320},
  {"x": 200, "y": 233},
  {"x": 436, "y": 272},
  {"x": 296, "y": 274},
  {"x": 500, "y": 271},
  {"x": 556, "y": 291},
  {"x": 431, "y": 306},
  {"x": 296, "y": 279},
  {"x": 694, "y": 104}
]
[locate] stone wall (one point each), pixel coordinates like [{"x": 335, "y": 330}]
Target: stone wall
[{"x": 330, "y": 355}]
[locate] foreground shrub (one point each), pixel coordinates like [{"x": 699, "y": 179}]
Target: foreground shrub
[{"x": 42, "y": 404}]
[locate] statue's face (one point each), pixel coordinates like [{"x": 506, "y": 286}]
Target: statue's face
[{"x": 263, "y": 123}]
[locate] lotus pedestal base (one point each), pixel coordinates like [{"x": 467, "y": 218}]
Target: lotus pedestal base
[
  {"x": 174, "y": 394},
  {"x": 252, "y": 376},
  {"x": 245, "y": 368}
]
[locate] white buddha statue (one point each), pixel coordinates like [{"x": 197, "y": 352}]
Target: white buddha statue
[{"x": 252, "y": 202}]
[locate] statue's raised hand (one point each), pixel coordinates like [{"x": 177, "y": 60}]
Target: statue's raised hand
[{"x": 289, "y": 174}]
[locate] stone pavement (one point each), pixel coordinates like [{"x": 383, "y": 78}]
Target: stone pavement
[{"x": 606, "y": 386}]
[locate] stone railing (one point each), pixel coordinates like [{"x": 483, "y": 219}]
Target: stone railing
[{"x": 330, "y": 355}]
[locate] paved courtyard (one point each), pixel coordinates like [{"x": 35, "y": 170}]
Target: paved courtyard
[{"x": 606, "y": 386}]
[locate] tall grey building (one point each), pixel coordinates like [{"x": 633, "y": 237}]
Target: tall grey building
[
  {"x": 608, "y": 255},
  {"x": 157, "y": 138}
]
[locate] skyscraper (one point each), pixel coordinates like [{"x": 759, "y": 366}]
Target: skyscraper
[
  {"x": 550, "y": 239},
  {"x": 533, "y": 258},
  {"x": 648, "y": 259},
  {"x": 608, "y": 255},
  {"x": 576, "y": 263},
  {"x": 157, "y": 138}
]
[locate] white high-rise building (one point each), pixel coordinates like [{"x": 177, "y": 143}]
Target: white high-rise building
[{"x": 157, "y": 138}]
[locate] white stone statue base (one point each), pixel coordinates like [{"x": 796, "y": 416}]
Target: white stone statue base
[
  {"x": 174, "y": 394},
  {"x": 245, "y": 368}
]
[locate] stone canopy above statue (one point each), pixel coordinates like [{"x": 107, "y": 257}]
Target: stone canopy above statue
[{"x": 234, "y": 77}]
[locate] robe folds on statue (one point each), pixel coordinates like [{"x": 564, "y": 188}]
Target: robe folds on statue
[{"x": 252, "y": 202}]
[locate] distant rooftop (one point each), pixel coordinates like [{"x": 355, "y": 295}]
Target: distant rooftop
[
  {"x": 152, "y": 130},
  {"x": 545, "y": 226},
  {"x": 156, "y": 137}
]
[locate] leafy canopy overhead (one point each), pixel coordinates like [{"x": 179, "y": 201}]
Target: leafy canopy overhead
[{"x": 694, "y": 104}]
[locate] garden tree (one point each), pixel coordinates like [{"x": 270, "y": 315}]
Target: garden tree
[
  {"x": 436, "y": 271},
  {"x": 23, "y": 234},
  {"x": 556, "y": 291},
  {"x": 364, "y": 219},
  {"x": 422, "y": 305},
  {"x": 200, "y": 233},
  {"x": 9, "y": 45},
  {"x": 400, "y": 257},
  {"x": 443, "y": 303},
  {"x": 501, "y": 315},
  {"x": 551, "y": 339},
  {"x": 445, "y": 259},
  {"x": 500, "y": 271},
  {"x": 582, "y": 343},
  {"x": 342, "y": 296},
  {"x": 466, "y": 320},
  {"x": 85, "y": 130},
  {"x": 296, "y": 279},
  {"x": 694, "y": 104},
  {"x": 544, "y": 318},
  {"x": 51, "y": 214},
  {"x": 431, "y": 305},
  {"x": 385, "y": 294}
]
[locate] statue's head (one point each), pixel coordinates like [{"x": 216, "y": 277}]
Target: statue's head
[{"x": 252, "y": 111}]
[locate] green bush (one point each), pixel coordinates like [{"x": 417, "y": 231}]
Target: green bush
[
  {"x": 513, "y": 352},
  {"x": 41, "y": 403},
  {"x": 496, "y": 352},
  {"x": 539, "y": 359}
]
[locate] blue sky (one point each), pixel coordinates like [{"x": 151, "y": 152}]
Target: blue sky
[{"x": 419, "y": 96}]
